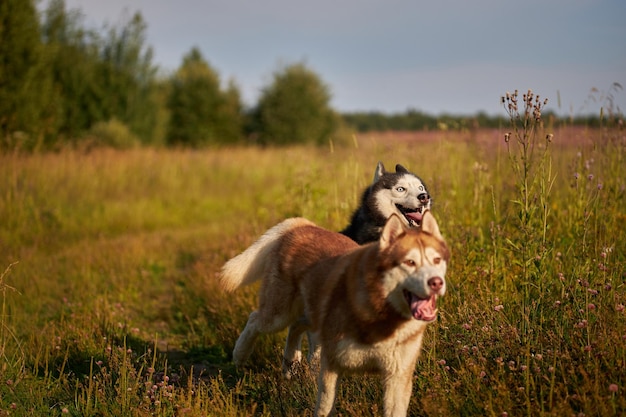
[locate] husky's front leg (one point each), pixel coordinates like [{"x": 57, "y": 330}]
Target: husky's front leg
[
  {"x": 397, "y": 393},
  {"x": 326, "y": 391}
]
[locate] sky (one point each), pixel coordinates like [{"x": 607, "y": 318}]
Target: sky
[{"x": 444, "y": 56}]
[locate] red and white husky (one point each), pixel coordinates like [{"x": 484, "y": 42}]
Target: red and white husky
[{"x": 366, "y": 306}]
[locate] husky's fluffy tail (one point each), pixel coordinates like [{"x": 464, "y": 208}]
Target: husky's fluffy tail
[{"x": 253, "y": 263}]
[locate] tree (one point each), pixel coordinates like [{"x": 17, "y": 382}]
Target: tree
[
  {"x": 127, "y": 74},
  {"x": 200, "y": 113},
  {"x": 99, "y": 78},
  {"x": 23, "y": 83},
  {"x": 72, "y": 56},
  {"x": 295, "y": 109}
]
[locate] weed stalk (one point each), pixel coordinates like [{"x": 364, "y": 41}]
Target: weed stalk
[{"x": 531, "y": 163}]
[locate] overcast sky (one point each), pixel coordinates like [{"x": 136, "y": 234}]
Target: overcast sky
[{"x": 438, "y": 56}]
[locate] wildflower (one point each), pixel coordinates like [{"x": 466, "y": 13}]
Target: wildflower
[
  {"x": 539, "y": 356},
  {"x": 581, "y": 324},
  {"x": 590, "y": 177},
  {"x": 557, "y": 303},
  {"x": 599, "y": 186},
  {"x": 64, "y": 410},
  {"x": 551, "y": 369},
  {"x": 591, "y": 306},
  {"x": 484, "y": 374},
  {"x": 9, "y": 382},
  {"x": 619, "y": 308},
  {"x": 613, "y": 388},
  {"x": 441, "y": 362},
  {"x": 549, "y": 137},
  {"x": 467, "y": 326},
  {"x": 588, "y": 348},
  {"x": 576, "y": 175},
  {"x": 523, "y": 368},
  {"x": 499, "y": 307},
  {"x": 13, "y": 406}
]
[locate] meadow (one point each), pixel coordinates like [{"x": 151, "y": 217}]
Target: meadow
[{"x": 110, "y": 303}]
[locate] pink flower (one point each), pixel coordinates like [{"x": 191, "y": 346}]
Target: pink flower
[
  {"x": 499, "y": 307},
  {"x": 613, "y": 387}
]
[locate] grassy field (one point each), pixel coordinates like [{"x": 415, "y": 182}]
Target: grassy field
[{"x": 110, "y": 305}]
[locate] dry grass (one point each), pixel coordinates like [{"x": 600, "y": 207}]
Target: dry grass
[{"x": 113, "y": 308}]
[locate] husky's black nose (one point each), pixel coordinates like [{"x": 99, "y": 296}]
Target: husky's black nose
[{"x": 423, "y": 198}]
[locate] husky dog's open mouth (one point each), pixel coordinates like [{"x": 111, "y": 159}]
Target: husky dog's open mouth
[
  {"x": 412, "y": 215},
  {"x": 424, "y": 309}
]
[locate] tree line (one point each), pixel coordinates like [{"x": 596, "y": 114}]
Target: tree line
[{"x": 63, "y": 84}]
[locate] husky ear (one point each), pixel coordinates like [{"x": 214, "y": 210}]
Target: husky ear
[
  {"x": 401, "y": 170},
  {"x": 429, "y": 225},
  {"x": 392, "y": 230},
  {"x": 380, "y": 170}
]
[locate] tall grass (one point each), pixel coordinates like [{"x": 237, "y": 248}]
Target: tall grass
[{"x": 113, "y": 309}]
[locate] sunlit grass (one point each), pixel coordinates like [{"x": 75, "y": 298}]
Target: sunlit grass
[{"x": 113, "y": 307}]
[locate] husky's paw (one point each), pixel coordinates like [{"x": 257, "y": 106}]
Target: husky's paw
[{"x": 291, "y": 368}]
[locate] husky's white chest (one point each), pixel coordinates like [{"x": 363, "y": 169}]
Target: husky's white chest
[{"x": 395, "y": 352}]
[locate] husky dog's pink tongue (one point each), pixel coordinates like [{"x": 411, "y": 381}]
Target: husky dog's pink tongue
[
  {"x": 416, "y": 216},
  {"x": 424, "y": 309}
]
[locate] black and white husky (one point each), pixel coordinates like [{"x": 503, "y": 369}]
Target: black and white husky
[{"x": 400, "y": 192}]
